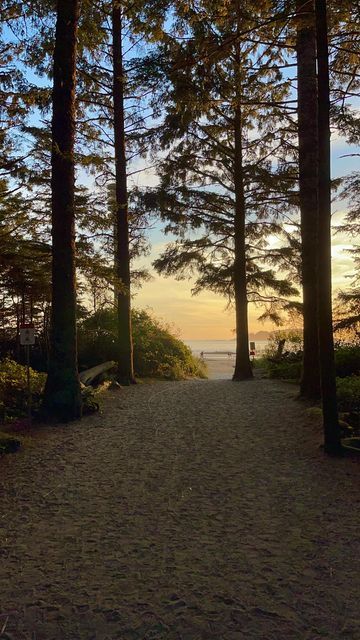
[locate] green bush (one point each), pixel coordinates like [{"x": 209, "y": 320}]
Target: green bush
[
  {"x": 283, "y": 355},
  {"x": 157, "y": 352},
  {"x": 347, "y": 360},
  {"x": 284, "y": 370},
  {"x": 348, "y": 393},
  {"x": 289, "y": 342},
  {"x": 13, "y": 389}
]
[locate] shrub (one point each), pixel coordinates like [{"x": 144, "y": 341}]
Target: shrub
[
  {"x": 285, "y": 342},
  {"x": 13, "y": 388},
  {"x": 284, "y": 370},
  {"x": 348, "y": 393},
  {"x": 347, "y": 360},
  {"x": 283, "y": 355},
  {"x": 157, "y": 352}
]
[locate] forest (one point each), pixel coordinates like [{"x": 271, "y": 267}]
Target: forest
[
  {"x": 214, "y": 144},
  {"x": 227, "y": 109}
]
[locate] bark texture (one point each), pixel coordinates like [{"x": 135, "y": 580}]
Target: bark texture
[
  {"x": 327, "y": 361},
  {"x": 122, "y": 251},
  {"x": 308, "y": 188},
  {"x": 243, "y": 370},
  {"x": 62, "y": 393}
]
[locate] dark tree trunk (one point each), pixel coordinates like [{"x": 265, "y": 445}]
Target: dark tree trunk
[
  {"x": 308, "y": 187},
  {"x": 62, "y": 393},
  {"x": 23, "y": 307},
  {"x": 122, "y": 251},
  {"x": 243, "y": 370},
  {"x": 18, "y": 322},
  {"x": 327, "y": 361}
]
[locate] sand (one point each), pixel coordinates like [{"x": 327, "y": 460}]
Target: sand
[
  {"x": 220, "y": 368},
  {"x": 197, "y": 510}
]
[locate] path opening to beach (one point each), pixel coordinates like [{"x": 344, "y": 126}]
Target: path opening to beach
[
  {"x": 220, "y": 367},
  {"x": 197, "y": 510}
]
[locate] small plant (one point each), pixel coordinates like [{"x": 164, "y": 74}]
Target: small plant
[
  {"x": 284, "y": 370},
  {"x": 347, "y": 360},
  {"x": 13, "y": 389},
  {"x": 89, "y": 401},
  {"x": 283, "y": 343},
  {"x": 283, "y": 355},
  {"x": 348, "y": 393}
]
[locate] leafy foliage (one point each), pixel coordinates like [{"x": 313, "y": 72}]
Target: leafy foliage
[
  {"x": 157, "y": 352},
  {"x": 291, "y": 341},
  {"x": 347, "y": 360},
  {"x": 283, "y": 359},
  {"x": 13, "y": 388},
  {"x": 208, "y": 77},
  {"x": 286, "y": 369},
  {"x": 348, "y": 393}
]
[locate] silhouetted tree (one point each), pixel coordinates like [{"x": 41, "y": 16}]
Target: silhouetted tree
[
  {"x": 122, "y": 251},
  {"x": 308, "y": 187},
  {"x": 326, "y": 339},
  {"x": 62, "y": 392}
]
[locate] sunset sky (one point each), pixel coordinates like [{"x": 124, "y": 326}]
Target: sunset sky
[{"x": 205, "y": 316}]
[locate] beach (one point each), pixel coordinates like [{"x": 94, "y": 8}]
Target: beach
[
  {"x": 220, "y": 368},
  {"x": 219, "y": 356}
]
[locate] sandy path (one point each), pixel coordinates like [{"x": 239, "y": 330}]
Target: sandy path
[{"x": 185, "y": 511}]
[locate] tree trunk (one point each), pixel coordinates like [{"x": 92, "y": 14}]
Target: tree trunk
[
  {"x": 243, "y": 370},
  {"x": 62, "y": 392},
  {"x": 18, "y": 322},
  {"x": 308, "y": 187},
  {"x": 122, "y": 252},
  {"x": 332, "y": 440}
]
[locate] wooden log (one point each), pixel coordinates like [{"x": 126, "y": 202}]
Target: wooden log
[{"x": 88, "y": 376}]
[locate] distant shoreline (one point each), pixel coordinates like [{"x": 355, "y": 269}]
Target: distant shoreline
[{"x": 218, "y": 350}]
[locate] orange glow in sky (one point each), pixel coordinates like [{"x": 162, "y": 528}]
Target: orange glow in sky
[{"x": 205, "y": 317}]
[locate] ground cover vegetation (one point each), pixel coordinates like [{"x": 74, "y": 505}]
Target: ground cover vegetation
[
  {"x": 158, "y": 353},
  {"x": 283, "y": 360},
  {"x": 231, "y": 104}
]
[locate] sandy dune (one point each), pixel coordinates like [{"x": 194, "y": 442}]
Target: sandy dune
[{"x": 200, "y": 510}]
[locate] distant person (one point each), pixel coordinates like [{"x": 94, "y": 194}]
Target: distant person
[{"x": 202, "y": 355}]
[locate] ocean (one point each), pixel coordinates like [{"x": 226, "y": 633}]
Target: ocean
[{"x": 218, "y": 349}]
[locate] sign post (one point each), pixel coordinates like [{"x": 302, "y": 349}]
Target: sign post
[{"x": 27, "y": 338}]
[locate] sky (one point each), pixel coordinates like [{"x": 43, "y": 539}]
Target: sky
[{"x": 206, "y": 316}]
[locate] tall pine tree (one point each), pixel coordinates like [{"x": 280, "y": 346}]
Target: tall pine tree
[
  {"x": 62, "y": 392},
  {"x": 326, "y": 338},
  {"x": 125, "y": 364},
  {"x": 308, "y": 187}
]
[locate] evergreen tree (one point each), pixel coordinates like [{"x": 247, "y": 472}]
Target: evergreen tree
[
  {"x": 308, "y": 187},
  {"x": 125, "y": 361},
  {"x": 62, "y": 392},
  {"x": 326, "y": 338},
  {"x": 224, "y": 123}
]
